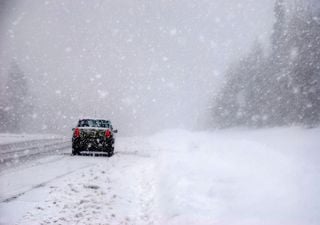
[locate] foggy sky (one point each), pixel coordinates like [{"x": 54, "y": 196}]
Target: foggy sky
[{"x": 146, "y": 65}]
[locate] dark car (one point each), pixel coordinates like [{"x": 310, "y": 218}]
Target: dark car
[{"x": 93, "y": 135}]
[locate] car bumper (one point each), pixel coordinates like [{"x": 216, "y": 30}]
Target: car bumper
[{"x": 92, "y": 145}]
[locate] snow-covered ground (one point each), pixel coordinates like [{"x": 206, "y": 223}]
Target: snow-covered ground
[{"x": 231, "y": 177}]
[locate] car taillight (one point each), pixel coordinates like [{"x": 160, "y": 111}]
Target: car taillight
[
  {"x": 108, "y": 133},
  {"x": 77, "y": 132}
]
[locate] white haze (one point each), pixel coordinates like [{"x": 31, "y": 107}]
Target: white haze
[{"x": 146, "y": 65}]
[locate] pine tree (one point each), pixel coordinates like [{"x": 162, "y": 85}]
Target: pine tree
[
  {"x": 14, "y": 107},
  {"x": 305, "y": 65},
  {"x": 279, "y": 29}
]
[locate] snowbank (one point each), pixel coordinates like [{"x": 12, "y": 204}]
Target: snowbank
[
  {"x": 239, "y": 176},
  {"x": 15, "y": 147},
  {"x": 8, "y": 138}
]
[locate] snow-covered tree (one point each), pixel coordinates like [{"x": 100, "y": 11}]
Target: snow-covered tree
[
  {"x": 284, "y": 88},
  {"x": 304, "y": 44},
  {"x": 238, "y": 103},
  {"x": 14, "y": 106}
]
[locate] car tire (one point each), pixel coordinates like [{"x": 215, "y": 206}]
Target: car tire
[
  {"x": 110, "y": 152},
  {"x": 75, "y": 151}
]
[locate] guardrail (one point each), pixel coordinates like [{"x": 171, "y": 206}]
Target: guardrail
[{"x": 19, "y": 150}]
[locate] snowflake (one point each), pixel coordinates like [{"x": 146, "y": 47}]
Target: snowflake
[
  {"x": 68, "y": 49},
  {"x": 173, "y": 32}
]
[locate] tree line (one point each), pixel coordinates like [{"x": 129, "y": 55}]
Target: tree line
[{"x": 280, "y": 87}]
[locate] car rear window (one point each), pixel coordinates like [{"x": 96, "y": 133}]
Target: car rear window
[{"x": 94, "y": 123}]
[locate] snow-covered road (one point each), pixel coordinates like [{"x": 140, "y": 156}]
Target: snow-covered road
[
  {"x": 86, "y": 190},
  {"x": 232, "y": 177}
]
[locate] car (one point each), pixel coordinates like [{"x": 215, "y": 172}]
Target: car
[{"x": 93, "y": 135}]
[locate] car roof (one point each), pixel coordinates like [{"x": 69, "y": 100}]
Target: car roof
[{"x": 93, "y": 119}]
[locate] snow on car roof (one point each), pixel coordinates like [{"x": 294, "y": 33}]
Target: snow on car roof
[{"x": 90, "y": 118}]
